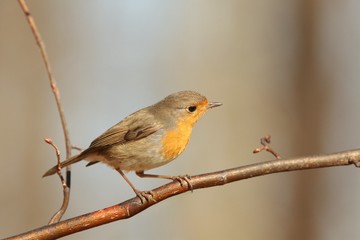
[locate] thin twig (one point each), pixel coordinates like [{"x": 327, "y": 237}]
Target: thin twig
[
  {"x": 133, "y": 206},
  {"x": 265, "y": 142},
  {"x": 77, "y": 148},
  {"x": 57, "y": 151},
  {"x": 56, "y": 93},
  {"x": 57, "y": 216}
]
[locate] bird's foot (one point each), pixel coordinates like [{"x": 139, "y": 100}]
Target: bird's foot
[
  {"x": 145, "y": 196},
  {"x": 184, "y": 179}
]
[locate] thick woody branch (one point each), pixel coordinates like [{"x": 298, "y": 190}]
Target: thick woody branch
[{"x": 133, "y": 206}]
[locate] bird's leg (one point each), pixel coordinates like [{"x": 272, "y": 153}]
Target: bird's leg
[
  {"x": 180, "y": 179},
  {"x": 144, "y": 196}
]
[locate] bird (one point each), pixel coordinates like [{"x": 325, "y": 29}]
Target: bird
[{"x": 146, "y": 139}]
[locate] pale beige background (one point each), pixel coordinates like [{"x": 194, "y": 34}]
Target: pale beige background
[{"x": 289, "y": 68}]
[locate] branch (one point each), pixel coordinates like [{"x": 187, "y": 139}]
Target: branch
[
  {"x": 55, "y": 90},
  {"x": 265, "y": 142},
  {"x": 133, "y": 206},
  {"x": 53, "y": 85},
  {"x": 57, "y": 216}
]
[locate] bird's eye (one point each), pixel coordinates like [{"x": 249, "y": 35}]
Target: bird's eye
[{"x": 191, "y": 109}]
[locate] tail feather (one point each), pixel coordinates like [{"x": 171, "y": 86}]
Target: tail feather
[{"x": 63, "y": 164}]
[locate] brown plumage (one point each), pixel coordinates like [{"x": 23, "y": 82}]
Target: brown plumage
[{"x": 148, "y": 138}]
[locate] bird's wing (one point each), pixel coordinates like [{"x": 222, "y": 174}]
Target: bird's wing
[{"x": 137, "y": 126}]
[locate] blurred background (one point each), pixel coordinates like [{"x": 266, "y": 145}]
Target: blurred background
[{"x": 286, "y": 68}]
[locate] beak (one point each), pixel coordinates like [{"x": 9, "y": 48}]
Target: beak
[{"x": 214, "y": 104}]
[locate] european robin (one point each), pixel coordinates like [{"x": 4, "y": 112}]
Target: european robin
[{"x": 148, "y": 138}]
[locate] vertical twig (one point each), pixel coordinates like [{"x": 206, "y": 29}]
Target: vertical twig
[
  {"x": 56, "y": 93},
  {"x": 57, "y": 216}
]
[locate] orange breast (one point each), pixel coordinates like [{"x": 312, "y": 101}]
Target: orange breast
[{"x": 175, "y": 141}]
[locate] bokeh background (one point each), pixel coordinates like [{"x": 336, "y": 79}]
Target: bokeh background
[{"x": 287, "y": 68}]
